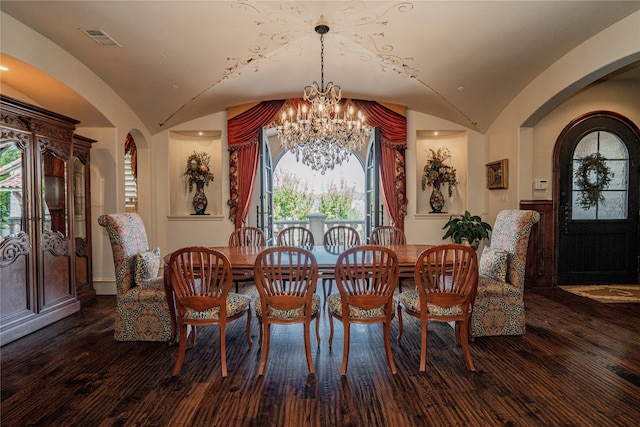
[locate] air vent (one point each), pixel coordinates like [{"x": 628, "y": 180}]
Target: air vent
[{"x": 100, "y": 37}]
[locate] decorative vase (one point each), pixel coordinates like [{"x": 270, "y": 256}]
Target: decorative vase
[
  {"x": 436, "y": 200},
  {"x": 199, "y": 202}
]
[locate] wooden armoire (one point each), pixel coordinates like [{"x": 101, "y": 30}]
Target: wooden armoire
[{"x": 44, "y": 218}]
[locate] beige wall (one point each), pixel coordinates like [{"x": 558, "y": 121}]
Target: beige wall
[{"x": 622, "y": 97}]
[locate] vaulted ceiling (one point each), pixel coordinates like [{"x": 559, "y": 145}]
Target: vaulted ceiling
[{"x": 174, "y": 61}]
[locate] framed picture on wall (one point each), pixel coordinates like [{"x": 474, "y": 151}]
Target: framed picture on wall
[{"x": 498, "y": 174}]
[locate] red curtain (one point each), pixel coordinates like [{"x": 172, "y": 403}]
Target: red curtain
[
  {"x": 244, "y": 153},
  {"x": 393, "y": 135}
]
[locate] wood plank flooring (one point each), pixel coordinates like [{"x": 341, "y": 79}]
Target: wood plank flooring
[{"x": 578, "y": 365}]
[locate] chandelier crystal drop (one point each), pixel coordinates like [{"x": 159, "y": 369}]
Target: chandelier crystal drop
[{"x": 320, "y": 134}]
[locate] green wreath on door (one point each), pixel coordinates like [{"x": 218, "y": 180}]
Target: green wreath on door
[{"x": 589, "y": 167}]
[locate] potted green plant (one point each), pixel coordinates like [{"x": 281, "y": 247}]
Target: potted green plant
[{"x": 466, "y": 228}]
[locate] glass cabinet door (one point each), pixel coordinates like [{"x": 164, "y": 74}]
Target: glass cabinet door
[
  {"x": 79, "y": 198},
  {"x": 54, "y": 191},
  {"x": 17, "y": 297},
  {"x": 82, "y": 217},
  {"x": 12, "y": 192},
  {"x": 56, "y": 266}
]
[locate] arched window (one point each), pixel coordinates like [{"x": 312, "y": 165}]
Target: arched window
[{"x": 130, "y": 174}]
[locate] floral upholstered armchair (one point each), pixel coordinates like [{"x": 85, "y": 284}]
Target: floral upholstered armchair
[
  {"x": 142, "y": 313},
  {"x": 499, "y": 304}
]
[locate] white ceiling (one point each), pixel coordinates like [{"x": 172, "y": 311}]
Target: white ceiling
[{"x": 179, "y": 60}]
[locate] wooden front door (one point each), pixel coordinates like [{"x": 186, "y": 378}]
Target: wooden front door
[{"x": 598, "y": 231}]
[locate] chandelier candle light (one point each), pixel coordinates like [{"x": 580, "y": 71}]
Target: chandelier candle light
[{"x": 320, "y": 135}]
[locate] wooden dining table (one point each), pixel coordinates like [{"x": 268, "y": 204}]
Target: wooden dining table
[{"x": 244, "y": 257}]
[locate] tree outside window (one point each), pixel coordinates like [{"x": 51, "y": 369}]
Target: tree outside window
[{"x": 298, "y": 191}]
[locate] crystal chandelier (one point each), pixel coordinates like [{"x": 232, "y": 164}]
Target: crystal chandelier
[{"x": 321, "y": 135}]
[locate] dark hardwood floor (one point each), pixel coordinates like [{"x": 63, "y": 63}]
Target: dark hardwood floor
[{"x": 578, "y": 365}]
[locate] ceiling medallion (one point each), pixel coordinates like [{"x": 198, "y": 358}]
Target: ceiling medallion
[{"x": 319, "y": 134}]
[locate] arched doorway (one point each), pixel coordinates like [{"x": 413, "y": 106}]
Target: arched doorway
[{"x": 597, "y": 157}]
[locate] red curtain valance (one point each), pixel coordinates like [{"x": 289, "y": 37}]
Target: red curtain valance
[{"x": 393, "y": 126}]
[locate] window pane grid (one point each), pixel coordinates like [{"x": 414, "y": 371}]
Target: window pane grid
[{"x": 613, "y": 203}]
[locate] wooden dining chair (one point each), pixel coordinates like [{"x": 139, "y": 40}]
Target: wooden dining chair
[
  {"x": 200, "y": 279},
  {"x": 286, "y": 279},
  {"x": 366, "y": 277},
  {"x": 337, "y": 238},
  {"x": 388, "y": 235},
  {"x": 447, "y": 281},
  {"x": 245, "y": 236},
  {"x": 296, "y": 236},
  {"x": 341, "y": 235}
]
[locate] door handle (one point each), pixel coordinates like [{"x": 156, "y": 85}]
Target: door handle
[{"x": 564, "y": 211}]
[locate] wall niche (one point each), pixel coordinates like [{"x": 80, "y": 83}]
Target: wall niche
[
  {"x": 456, "y": 142},
  {"x": 181, "y": 145}
]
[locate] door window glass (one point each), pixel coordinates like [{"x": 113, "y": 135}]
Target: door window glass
[{"x": 613, "y": 202}]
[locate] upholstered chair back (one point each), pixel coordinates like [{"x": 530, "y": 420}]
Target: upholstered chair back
[
  {"x": 511, "y": 234},
  {"x": 128, "y": 238}
]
